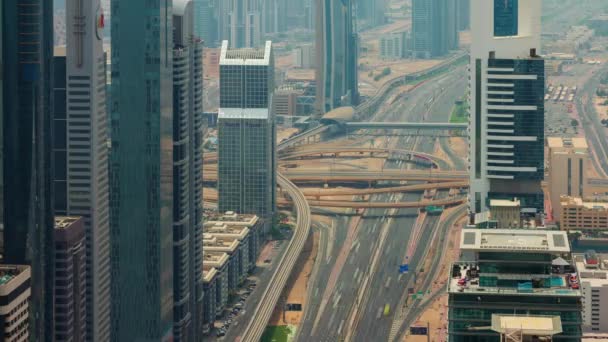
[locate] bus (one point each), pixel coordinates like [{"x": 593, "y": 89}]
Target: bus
[{"x": 387, "y": 310}]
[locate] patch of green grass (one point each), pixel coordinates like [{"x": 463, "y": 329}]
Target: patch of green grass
[
  {"x": 280, "y": 333},
  {"x": 459, "y": 113}
]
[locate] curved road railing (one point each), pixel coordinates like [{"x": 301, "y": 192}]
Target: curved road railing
[{"x": 257, "y": 324}]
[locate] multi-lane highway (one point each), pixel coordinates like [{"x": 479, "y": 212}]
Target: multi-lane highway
[{"x": 356, "y": 273}]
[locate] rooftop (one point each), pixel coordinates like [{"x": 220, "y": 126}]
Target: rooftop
[
  {"x": 514, "y": 240},
  {"x": 465, "y": 278},
  {"x": 220, "y": 243},
  {"x": 222, "y": 229},
  {"x": 592, "y": 269},
  {"x": 577, "y": 201},
  {"x": 245, "y": 56},
  {"x": 571, "y": 143},
  {"x": 213, "y": 259},
  {"x": 10, "y": 272},
  {"x": 209, "y": 274},
  {"x": 232, "y": 218},
  {"x": 64, "y": 222},
  {"x": 528, "y": 325}
]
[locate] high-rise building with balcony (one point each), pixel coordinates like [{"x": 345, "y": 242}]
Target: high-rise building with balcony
[
  {"x": 507, "y": 84},
  {"x": 247, "y": 131},
  {"x": 27, "y": 57},
  {"x": 337, "y": 55},
  {"x": 514, "y": 281},
  {"x": 187, "y": 171},
  {"x": 81, "y": 151},
  {"x": 434, "y": 28},
  {"x": 141, "y": 171},
  {"x": 70, "y": 279},
  {"x": 15, "y": 292}
]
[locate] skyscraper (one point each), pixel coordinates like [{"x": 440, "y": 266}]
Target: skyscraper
[
  {"x": 463, "y": 14},
  {"x": 336, "y": 51},
  {"x": 187, "y": 171},
  {"x": 85, "y": 155},
  {"x": 141, "y": 171},
  {"x": 371, "y": 12},
  {"x": 27, "y": 51},
  {"x": 15, "y": 292},
  {"x": 434, "y": 28},
  {"x": 244, "y": 23},
  {"x": 247, "y": 132},
  {"x": 70, "y": 279},
  {"x": 507, "y": 83},
  {"x": 205, "y": 26}
]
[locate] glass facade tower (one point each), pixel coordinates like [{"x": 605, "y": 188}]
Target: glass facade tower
[
  {"x": 27, "y": 57},
  {"x": 507, "y": 85},
  {"x": 187, "y": 174},
  {"x": 247, "y": 133},
  {"x": 505, "y": 18},
  {"x": 141, "y": 171},
  {"x": 83, "y": 161},
  {"x": 337, "y": 55},
  {"x": 434, "y": 27}
]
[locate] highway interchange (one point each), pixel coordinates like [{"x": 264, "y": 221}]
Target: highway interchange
[{"x": 364, "y": 266}]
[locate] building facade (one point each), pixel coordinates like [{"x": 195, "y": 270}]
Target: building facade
[
  {"x": 525, "y": 274},
  {"x": 463, "y": 15},
  {"x": 187, "y": 171},
  {"x": 370, "y": 13},
  {"x": 247, "y": 131},
  {"x": 15, "y": 293},
  {"x": 583, "y": 214},
  {"x": 336, "y": 52},
  {"x": 244, "y": 22},
  {"x": 434, "y": 28},
  {"x": 70, "y": 279},
  {"x": 141, "y": 171},
  {"x": 27, "y": 56},
  {"x": 394, "y": 45},
  {"x": 568, "y": 164},
  {"x": 506, "y": 127},
  {"x": 85, "y": 158},
  {"x": 593, "y": 271}
]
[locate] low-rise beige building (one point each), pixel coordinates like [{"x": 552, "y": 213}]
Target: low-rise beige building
[
  {"x": 581, "y": 214},
  {"x": 567, "y": 175}
]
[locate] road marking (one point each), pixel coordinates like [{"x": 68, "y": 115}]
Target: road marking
[{"x": 340, "y": 327}]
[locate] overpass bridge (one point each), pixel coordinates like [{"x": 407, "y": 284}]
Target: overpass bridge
[
  {"x": 407, "y": 125},
  {"x": 355, "y": 176}
]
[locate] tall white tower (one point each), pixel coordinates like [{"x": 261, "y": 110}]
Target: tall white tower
[
  {"x": 87, "y": 152},
  {"x": 506, "y": 128}
]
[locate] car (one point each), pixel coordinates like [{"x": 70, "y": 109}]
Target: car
[
  {"x": 575, "y": 286},
  {"x": 221, "y": 333}
]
